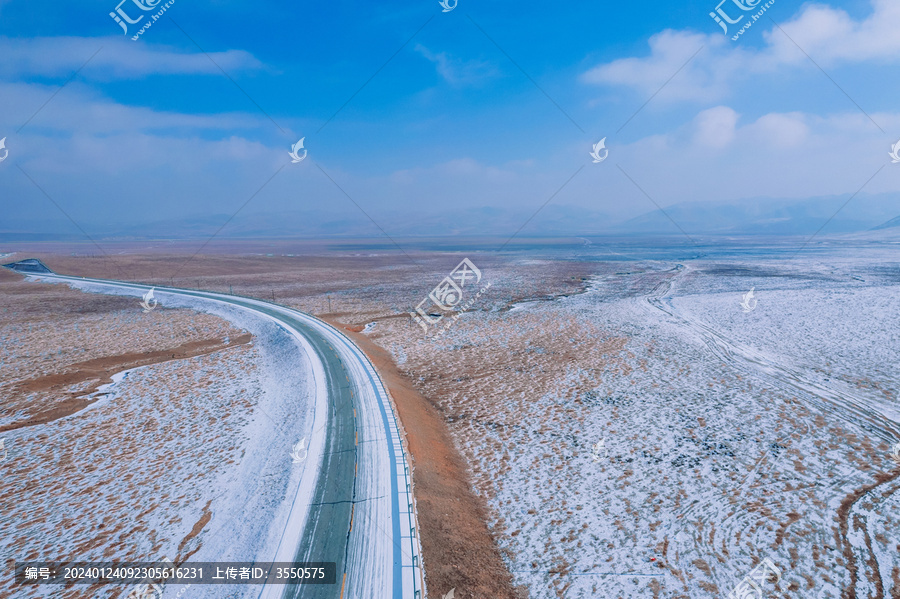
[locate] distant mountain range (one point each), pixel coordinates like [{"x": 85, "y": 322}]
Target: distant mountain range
[
  {"x": 767, "y": 216},
  {"x": 894, "y": 222},
  {"x": 759, "y": 216}
]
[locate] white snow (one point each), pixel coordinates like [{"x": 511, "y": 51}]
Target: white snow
[{"x": 235, "y": 533}]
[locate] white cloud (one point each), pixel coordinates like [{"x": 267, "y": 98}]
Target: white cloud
[
  {"x": 456, "y": 71},
  {"x": 79, "y": 110},
  {"x": 117, "y": 58},
  {"x": 782, "y": 130},
  {"x": 715, "y": 127},
  {"x": 705, "y": 77},
  {"x": 91, "y": 149},
  {"x": 451, "y": 172},
  {"x": 828, "y": 35},
  {"x": 780, "y": 154}
]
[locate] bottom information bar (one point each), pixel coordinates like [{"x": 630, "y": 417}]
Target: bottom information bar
[{"x": 169, "y": 573}]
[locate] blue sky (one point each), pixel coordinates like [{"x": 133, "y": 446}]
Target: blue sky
[{"x": 152, "y": 129}]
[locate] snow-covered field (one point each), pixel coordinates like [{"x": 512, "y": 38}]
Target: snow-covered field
[
  {"x": 185, "y": 459},
  {"x": 838, "y": 333},
  {"x": 730, "y": 436}
]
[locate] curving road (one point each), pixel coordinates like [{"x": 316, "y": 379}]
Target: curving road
[{"x": 358, "y": 510}]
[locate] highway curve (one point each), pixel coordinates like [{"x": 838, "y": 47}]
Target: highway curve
[{"x": 359, "y": 513}]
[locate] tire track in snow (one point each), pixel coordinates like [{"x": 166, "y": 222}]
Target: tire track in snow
[{"x": 844, "y": 404}]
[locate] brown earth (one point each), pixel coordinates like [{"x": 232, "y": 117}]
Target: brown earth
[
  {"x": 91, "y": 487},
  {"x": 459, "y": 549},
  {"x": 843, "y": 518},
  {"x": 99, "y": 372},
  {"x": 452, "y": 510}
]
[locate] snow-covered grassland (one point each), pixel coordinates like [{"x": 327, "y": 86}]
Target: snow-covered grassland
[
  {"x": 714, "y": 461},
  {"x": 184, "y": 459},
  {"x": 839, "y": 330},
  {"x": 731, "y": 436}
]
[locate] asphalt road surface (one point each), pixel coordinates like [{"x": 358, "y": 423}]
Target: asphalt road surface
[{"x": 360, "y": 512}]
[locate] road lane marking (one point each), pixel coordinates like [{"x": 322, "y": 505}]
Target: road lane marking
[{"x": 312, "y": 325}]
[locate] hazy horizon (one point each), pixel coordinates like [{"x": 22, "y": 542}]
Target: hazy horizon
[{"x": 479, "y": 120}]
